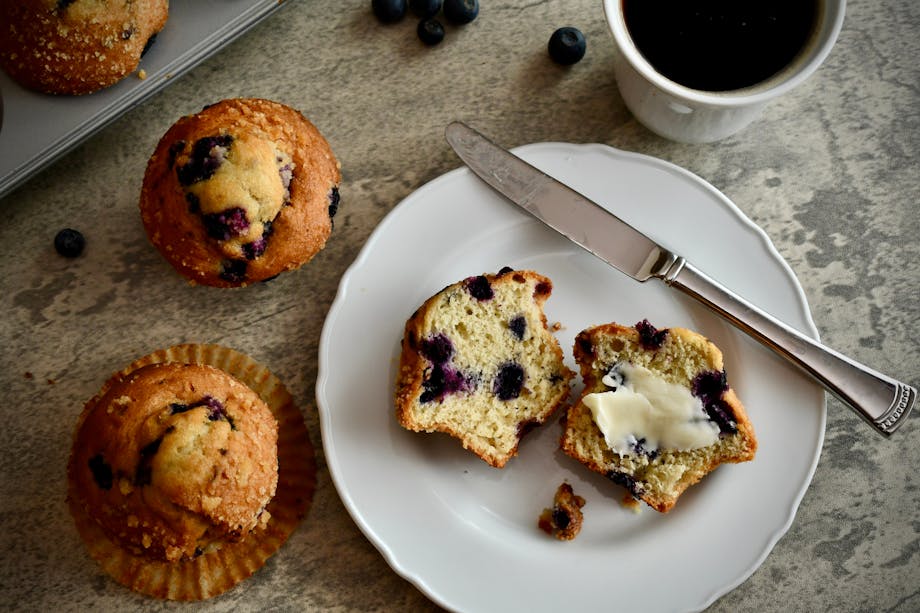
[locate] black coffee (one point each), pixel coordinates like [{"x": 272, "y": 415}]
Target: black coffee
[{"x": 720, "y": 45}]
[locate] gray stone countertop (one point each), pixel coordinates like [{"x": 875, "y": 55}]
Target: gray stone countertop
[{"x": 831, "y": 172}]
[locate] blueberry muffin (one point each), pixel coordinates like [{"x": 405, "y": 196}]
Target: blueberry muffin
[
  {"x": 657, "y": 413},
  {"x": 176, "y": 473},
  {"x": 76, "y": 46},
  {"x": 478, "y": 362},
  {"x": 240, "y": 192}
]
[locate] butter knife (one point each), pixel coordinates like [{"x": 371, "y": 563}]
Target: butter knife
[{"x": 881, "y": 401}]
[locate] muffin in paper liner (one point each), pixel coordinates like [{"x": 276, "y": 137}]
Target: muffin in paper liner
[{"x": 216, "y": 569}]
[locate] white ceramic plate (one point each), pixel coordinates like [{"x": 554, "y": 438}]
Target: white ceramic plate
[
  {"x": 37, "y": 128},
  {"x": 465, "y": 533}
]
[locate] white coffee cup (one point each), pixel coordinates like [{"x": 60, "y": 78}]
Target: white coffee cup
[{"x": 690, "y": 115}]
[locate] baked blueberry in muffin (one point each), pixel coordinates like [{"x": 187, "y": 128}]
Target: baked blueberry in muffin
[
  {"x": 240, "y": 192},
  {"x": 478, "y": 362}
]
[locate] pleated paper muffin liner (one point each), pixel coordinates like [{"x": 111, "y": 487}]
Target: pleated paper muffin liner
[{"x": 219, "y": 568}]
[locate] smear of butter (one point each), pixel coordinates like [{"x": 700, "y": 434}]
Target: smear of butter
[{"x": 645, "y": 409}]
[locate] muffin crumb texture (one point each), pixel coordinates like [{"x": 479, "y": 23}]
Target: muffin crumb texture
[{"x": 478, "y": 362}]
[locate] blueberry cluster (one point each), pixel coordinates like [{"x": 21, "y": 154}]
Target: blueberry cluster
[{"x": 430, "y": 30}]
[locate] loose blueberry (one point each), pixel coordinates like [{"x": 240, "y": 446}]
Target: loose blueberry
[
  {"x": 567, "y": 45},
  {"x": 650, "y": 337},
  {"x": 430, "y": 31},
  {"x": 461, "y": 11},
  {"x": 509, "y": 381},
  {"x": 226, "y": 224},
  {"x": 479, "y": 287},
  {"x": 425, "y": 8},
  {"x": 102, "y": 472},
  {"x": 233, "y": 271},
  {"x": 69, "y": 242},
  {"x": 518, "y": 325},
  {"x": 207, "y": 155},
  {"x": 389, "y": 11}
]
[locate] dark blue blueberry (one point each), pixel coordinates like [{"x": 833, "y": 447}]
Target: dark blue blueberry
[
  {"x": 63, "y": 4},
  {"x": 194, "y": 203},
  {"x": 149, "y": 43},
  {"x": 144, "y": 472},
  {"x": 102, "y": 472},
  {"x": 518, "y": 325},
  {"x": 174, "y": 150},
  {"x": 201, "y": 163},
  {"x": 437, "y": 349},
  {"x": 389, "y": 11},
  {"x": 479, "y": 287},
  {"x": 226, "y": 224},
  {"x": 233, "y": 271},
  {"x": 561, "y": 518},
  {"x": 127, "y": 33},
  {"x": 461, "y": 11},
  {"x": 430, "y": 31},
  {"x": 627, "y": 481},
  {"x": 257, "y": 247},
  {"x": 178, "y": 407},
  {"x": 709, "y": 387},
  {"x": 505, "y": 270},
  {"x": 69, "y": 243},
  {"x": 650, "y": 337},
  {"x": 509, "y": 381},
  {"x": 333, "y": 202},
  {"x": 639, "y": 448},
  {"x": 567, "y": 45},
  {"x": 585, "y": 343},
  {"x": 441, "y": 380},
  {"x": 425, "y": 8}
]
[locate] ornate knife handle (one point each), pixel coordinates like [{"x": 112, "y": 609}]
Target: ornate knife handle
[{"x": 880, "y": 400}]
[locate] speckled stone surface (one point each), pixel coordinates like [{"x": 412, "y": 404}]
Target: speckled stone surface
[{"x": 830, "y": 172}]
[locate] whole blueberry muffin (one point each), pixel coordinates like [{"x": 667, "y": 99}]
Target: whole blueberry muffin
[
  {"x": 76, "y": 46},
  {"x": 479, "y": 362},
  {"x": 240, "y": 192},
  {"x": 176, "y": 471},
  {"x": 657, "y": 413}
]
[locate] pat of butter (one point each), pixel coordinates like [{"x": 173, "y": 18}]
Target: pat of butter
[{"x": 645, "y": 409}]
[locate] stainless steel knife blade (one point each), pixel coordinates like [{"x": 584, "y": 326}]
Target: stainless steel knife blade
[{"x": 883, "y": 402}]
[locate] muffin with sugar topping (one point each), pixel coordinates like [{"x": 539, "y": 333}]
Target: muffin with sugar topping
[
  {"x": 179, "y": 475},
  {"x": 74, "y": 47},
  {"x": 240, "y": 192}
]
